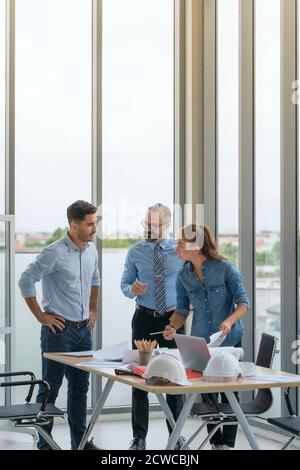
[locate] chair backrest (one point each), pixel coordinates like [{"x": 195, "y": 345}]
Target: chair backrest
[
  {"x": 266, "y": 352},
  {"x": 264, "y": 398}
]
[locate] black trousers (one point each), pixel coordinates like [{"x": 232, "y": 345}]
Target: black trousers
[
  {"x": 226, "y": 436},
  {"x": 142, "y": 325}
]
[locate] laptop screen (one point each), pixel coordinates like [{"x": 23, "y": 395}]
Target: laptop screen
[{"x": 194, "y": 352}]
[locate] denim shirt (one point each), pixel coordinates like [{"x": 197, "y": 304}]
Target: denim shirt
[{"x": 213, "y": 299}]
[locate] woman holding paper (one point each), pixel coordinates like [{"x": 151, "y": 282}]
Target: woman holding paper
[{"x": 214, "y": 287}]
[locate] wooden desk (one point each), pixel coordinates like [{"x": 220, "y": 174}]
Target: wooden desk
[{"x": 191, "y": 391}]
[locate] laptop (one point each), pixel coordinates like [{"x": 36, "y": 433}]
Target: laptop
[{"x": 194, "y": 352}]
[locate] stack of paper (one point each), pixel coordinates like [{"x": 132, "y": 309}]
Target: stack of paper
[
  {"x": 215, "y": 340},
  {"x": 107, "y": 357},
  {"x": 112, "y": 353},
  {"x": 274, "y": 378},
  {"x": 99, "y": 364}
]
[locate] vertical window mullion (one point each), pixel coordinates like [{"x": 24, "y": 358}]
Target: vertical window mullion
[
  {"x": 289, "y": 203},
  {"x": 246, "y": 166},
  {"x": 210, "y": 113},
  {"x": 96, "y": 156}
]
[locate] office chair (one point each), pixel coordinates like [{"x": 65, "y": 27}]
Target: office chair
[
  {"x": 30, "y": 415},
  {"x": 289, "y": 423},
  {"x": 221, "y": 414}
]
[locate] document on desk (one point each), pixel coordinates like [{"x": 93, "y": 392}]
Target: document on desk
[
  {"x": 112, "y": 353},
  {"x": 100, "y": 364},
  {"x": 131, "y": 355},
  {"x": 78, "y": 353},
  {"x": 274, "y": 378}
]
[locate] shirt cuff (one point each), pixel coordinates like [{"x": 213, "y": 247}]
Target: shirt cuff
[
  {"x": 243, "y": 301},
  {"x": 127, "y": 292},
  {"x": 184, "y": 312}
]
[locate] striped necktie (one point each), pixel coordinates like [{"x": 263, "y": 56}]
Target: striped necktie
[{"x": 159, "y": 278}]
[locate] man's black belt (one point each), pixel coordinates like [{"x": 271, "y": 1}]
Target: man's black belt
[
  {"x": 76, "y": 324},
  {"x": 154, "y": 313}
]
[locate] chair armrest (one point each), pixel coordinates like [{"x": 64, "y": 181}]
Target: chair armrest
[
  {"x": 32, "y": 383},
  {"x": 16, "y": 374}
]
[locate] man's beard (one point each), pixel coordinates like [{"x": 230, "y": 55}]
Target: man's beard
[{"x": 84, "y": 238}]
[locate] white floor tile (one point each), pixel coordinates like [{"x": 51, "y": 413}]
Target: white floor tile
[{"x": 116, "y": 434}]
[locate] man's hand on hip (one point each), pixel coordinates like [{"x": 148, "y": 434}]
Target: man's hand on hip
[
  {"x": 92, "y": 320},
  {"x": 52, "y": 321}
]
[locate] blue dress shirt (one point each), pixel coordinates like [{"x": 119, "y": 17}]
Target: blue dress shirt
[
  {"x": 139, "y": 265},
  {"x": 67, "y": 274},
  {"x": 213, "y": 300}
]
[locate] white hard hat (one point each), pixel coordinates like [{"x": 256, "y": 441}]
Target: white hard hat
[
  {"x": 165, "y": 368},
  {"x": 222, "y": 368}
]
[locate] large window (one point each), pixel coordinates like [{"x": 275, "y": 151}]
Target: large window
[
  {"x": 267, "y": 130},
  {"x": 137, "y": 142},
  {"x": 4, "y": 279},
  {"x": 2, "y": 366},
  {"x": 6, "y": 294},
  {"x": 53, "y": 135},
  {"x": 53, "y": 113},
  {"x": 296, "y": 100},
  {"x": 2, "y": 105},
  {"x": 227, "y": 129},
  {"x": 2, "y": 352}
]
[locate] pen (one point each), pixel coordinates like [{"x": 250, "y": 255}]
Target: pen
[{"x": 156, "y": 333}]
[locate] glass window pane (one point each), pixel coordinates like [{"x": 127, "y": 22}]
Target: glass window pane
[
  {"x": 2, "y": 367},
  {"x": 296, "y": 101},
  {"x": 53, "y": 137},
  {"x": 227, "y": 131},
  {"x": 2, "y": 351},
  {"x": 5, "y": 288},
  {"x": 137, "y": 142},
  {"x": 268, "y": 173},
  {"x": 3, "y": 292},
  {"x": 2, "y": 106},
  {"x": 53, "y": 113}
]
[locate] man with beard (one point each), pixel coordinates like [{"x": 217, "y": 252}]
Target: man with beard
[
  {"x": 149, "y": 276},
  {"x": 68, "y": 269}
]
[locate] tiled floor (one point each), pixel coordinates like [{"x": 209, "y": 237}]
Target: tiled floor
[{"x": 115, "y": 433}]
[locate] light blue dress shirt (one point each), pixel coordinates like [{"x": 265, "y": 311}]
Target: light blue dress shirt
[
  {"x": 67, "y": 274},
  {"x": 213, "y": 300},
  {"x": 139, "y": 266}
]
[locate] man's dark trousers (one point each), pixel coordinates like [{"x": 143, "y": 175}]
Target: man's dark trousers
[
  {"x": 68, "y": 340},
  {"x": 142, "y": 325}
]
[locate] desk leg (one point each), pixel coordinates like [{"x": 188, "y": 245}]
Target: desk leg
[
  {"x": 242, "y": 420},
  {"x": 178, "y": 426},
  {"x": 97, "y": 410}
]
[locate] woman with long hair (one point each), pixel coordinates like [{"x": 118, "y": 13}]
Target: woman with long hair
[{"x": 214, "y": 287}]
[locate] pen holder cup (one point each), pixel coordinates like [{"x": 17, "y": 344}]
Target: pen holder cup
[{"x": 144, "y": 357}]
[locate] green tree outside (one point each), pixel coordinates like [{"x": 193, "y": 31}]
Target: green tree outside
[{"x": 56, "y": 235}]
